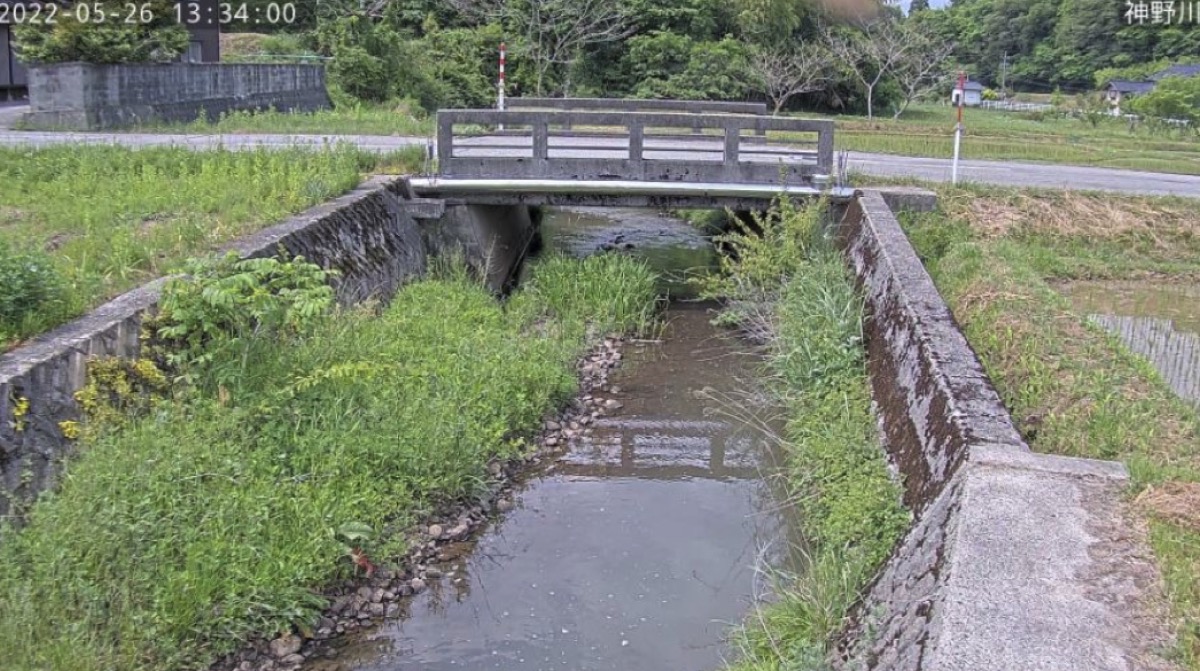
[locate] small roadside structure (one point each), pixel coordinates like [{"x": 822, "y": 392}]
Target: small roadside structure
[
  {"x": 971, "y": 94},
  {"x": 1118, "y": 90}
]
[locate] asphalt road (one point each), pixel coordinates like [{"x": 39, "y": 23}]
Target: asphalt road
[{"x": 988, "y": 172}]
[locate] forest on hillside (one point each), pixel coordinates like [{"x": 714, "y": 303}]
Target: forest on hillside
[{"x": 834, "y": 55}]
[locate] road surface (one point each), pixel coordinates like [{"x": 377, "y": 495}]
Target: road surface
[{"x": 1001, "y": 173}]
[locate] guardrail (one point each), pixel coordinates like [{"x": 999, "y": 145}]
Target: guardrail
[
  {"x": 637, "y": 105},
  {"x": 573, "y": 145}
]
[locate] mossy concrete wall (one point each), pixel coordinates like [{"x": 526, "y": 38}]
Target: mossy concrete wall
[
  {"x": 1015, "y": 561},
  {"x": 374, "y": 237}
]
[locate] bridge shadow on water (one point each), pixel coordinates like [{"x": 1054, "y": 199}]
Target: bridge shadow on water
[{"x": 636, "y": 550}]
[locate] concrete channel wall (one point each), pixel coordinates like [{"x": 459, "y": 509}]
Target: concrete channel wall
[
  {"x": 84, "y": 96},
  {"x": 1015, "y": 561},
  {"x": 375, "y": 238}
]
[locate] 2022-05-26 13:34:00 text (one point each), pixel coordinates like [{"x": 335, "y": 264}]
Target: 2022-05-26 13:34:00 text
[{"x": 132, "y": 13}]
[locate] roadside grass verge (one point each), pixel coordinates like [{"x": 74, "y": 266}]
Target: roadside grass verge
[
  {"x": 928, "y": 130},
  {"x": 1072, "y": 388},
  {"x": 109, "y": 218},
  {"x": 345, "y": 119},
  {"x": 790, "y": 289},
  {"x": 215, "y": 516}
]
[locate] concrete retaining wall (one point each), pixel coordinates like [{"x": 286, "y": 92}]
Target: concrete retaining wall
[
  {"x": 374, "y": 237},
  {"x": 82, "y": 96},
  {"x": 1015, "y": 560}
]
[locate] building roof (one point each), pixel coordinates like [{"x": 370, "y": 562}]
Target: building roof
[
  {"x": 1130, "y": 87},
  {"x": 971, "y": 86},
  {"x": 1177, "y": 71}
]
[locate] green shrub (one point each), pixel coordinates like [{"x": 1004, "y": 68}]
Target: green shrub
[
  {"x": 218, "y": 306},
  {"x": 28, "y": 283},
  {"x": 160, "y": 39}
]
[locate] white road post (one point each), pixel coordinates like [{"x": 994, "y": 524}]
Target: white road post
[
  {"x": 958, "y": 128},
  {"x": 500, "y": 84}
]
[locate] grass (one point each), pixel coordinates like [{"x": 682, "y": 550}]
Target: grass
[
  {"x": 1072, "y": 388},
  {"x": 809, "y": 317},
  {"x": 111, "y": 218},
  {"x": 928, "y": 130},
  {"x": 345, "y": 119},
  {"x": 214, "y": 517}
]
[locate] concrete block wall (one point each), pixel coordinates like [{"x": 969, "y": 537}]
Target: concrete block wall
[
  {"x": 83, "y": 96},
  {"x": 1015, "y": 561}
]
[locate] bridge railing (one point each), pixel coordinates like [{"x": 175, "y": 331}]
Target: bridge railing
[
  {"x": 636, "y": 105},
  {"x": 642, "y": 146}
]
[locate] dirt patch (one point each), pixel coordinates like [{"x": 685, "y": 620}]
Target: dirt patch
[
  {"x": 1078, "y": 215},
  {"x": 10, "y": 216},
  {"x": 1177, "y": 502}
]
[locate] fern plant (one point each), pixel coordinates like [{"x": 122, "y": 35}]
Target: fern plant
[{"x": 220, "y": 305}]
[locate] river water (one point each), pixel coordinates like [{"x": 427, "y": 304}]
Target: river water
[{"x": 636, "y": 550}]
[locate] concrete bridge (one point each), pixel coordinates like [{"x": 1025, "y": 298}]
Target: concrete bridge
[{"x": 573, "y": 154}]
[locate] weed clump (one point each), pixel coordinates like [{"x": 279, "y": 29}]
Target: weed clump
[
  {"x": 785, "y": 284},
  {"x": 29, "y": 283}
]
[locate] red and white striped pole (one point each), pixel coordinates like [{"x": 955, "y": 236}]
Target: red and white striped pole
[
  {"x": 958, "y": 128},
  {"x": 500, "y": 84}
]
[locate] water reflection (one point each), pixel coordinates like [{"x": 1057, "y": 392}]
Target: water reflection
[
  {"x": 634, "y": 552},
  {"x": 1160, "y": 322}
]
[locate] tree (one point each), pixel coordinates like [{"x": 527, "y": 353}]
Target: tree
[
  {"x": 553, "y": 33},
  {"x": 922, "y": 67},
  {"x": 869, "y": 55},
  {"x": 159, "y": 39},
  {"x": 1174, "y": 103},
  {"x": 785, "y": 74},
  {"x": 1092, "y": 108}
]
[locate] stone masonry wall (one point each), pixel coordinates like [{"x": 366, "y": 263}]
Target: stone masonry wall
[
  {"x": 81, "y": 96},
  {"x": 366, "y": 235}
]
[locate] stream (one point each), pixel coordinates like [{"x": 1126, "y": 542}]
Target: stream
[{"x": 637, "y": 549}]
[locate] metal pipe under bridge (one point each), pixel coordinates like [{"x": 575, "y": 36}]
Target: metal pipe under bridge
[{"x": 574, "y": 156}]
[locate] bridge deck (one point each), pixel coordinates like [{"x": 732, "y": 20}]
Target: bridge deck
[{"x": 617, "y": 193}]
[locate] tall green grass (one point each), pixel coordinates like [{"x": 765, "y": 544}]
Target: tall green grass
[
  {"x": 174, "y": 539},
  {"x": 791, "y": 289},
  {"x": 345, "y": 119},
  {"x": 112, "y": 217}
]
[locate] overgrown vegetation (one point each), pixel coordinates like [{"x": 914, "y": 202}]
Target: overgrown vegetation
[
  {"x": 790, "y": 289},
  {"x": 177, "y": 535},
  {"x": 1072, "y": 388},
  {"x": 81, "y": 224},
  {"x": 102, "y": 31}
]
